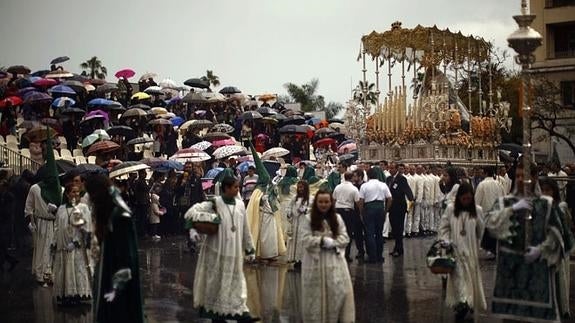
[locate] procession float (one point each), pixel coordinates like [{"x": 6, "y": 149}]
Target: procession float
[{"x": 426, "y": 122}]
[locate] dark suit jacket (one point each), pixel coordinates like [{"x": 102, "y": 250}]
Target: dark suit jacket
[{"x": 400, "y": 190}]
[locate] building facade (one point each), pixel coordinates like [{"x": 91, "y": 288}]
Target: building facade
[{"x": 555, "y": 61}]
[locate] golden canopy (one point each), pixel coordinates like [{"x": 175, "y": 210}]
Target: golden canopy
[{"x": 436, "y": 44}]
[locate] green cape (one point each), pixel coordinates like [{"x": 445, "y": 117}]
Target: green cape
[{"x": 50, "y": 188}]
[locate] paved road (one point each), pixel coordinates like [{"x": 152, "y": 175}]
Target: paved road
[{"x": 400, "y": 290}]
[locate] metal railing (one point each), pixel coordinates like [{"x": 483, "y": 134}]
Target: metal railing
[{"x": 16, "y": 161}]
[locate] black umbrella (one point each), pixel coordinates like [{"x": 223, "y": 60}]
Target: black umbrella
[
  {"x": 278, "y": 106},
  {"x": 199, "y": 83},
  {"x": 18, "y": 69},
  {"x": 511, "y": 147},
  {"x": 123, "y": 131},
  {"x": 230, "y": 90},
  {"x": 294, "y": 119},
  {"x": 347, "y": 157},
  {"x": 108, "y": 87},
  {"x": 40, "y": 73},
  {"x": 139, "y": 140},
  {"x": 77, "y": 86},
  {"x": 333, "y": 120},
  {"x": 73, "y": 111},
  {"x": 60, "y": 59},
  {"x": 64, "y": 166},
  {"x": 144, "y": 107},
  {"x": 251, "y": 115},
  {"x": 278, "y": 116},
  {"x": 266, "y": 111},
  {"x": 292, "y": 128}
]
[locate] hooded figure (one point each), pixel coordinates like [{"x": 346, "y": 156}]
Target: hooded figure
[
  {"x": 41, "y": 205},
  {"x": 314, "y": 182},
  {"x": 264, "y": 218},
  {"x": 286, "y": 192}
]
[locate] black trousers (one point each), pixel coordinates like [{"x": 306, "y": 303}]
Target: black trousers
[
  {"x": 397, "y": 221},
  {"x": 4, "y": 254},
  {"x": 354, "y": 228},
  {"x": 141, "y": 218}
]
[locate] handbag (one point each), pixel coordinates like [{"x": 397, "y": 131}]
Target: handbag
[
  {"x": 441, "y": 259},
  {"x": 204, "y": 217}
]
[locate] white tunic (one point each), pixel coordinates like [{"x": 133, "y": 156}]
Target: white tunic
[
  {"x": 43, "y": 237},
  {"x": 327, "y": 291},
  {"x": 296, "y": 213},
  {"x": 219, "y": 283},
  {"x": 488, "y": 192},
  {"x": 464, "y": 285},
  {"x": 71, "y": 275}
]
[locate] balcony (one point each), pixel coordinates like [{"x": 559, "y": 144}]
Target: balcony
[{"x": 558, "y": 3}]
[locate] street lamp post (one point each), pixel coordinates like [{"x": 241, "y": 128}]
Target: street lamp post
[{"x": 524, "y": 41}]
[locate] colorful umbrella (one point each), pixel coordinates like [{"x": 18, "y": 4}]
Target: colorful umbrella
[
  {"x": 104, "y": 146},
  {"x": 97, "y": 135},
  {"x": 62, "y": 89},
  {"x": 141, "y": 96},
  {"x": 324, "y": 131},
  {"x": 212, "y": 173},
  {"x": 224, "y": 142},
  {"x": 267, "y": 97},
  {"x": 10, "y": 101},
  {"x": 347, "y": 148},
  {"x": 45, "y": 82},
  {"x": 158, "y": 110},
  {"x": 177, "y": 121},
  {"x": 167, "y": 166},
  {"x": 243, "y": 166},
  {"x": 190, "y": 155},
  {"x": 63, "y": 102},
  {"x": 227, "y": 151},
  {"x": 103, "y": 103},
  {"x": 125, "y": 73},
  {"x": 325, "y": 142},
  {"x": 202, "y": 145},
  {"x": 127, "y": 168}
]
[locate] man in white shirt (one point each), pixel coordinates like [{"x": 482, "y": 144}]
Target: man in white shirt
[
  {"x": 375, "y": 200},
  {"x": 418, "y": 208},
  {"x": 504, "y": 179},
  {"x": 346, "y": 196},
  {"x": 427, "y": 203}
]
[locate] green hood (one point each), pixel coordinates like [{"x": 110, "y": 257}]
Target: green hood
[
  {"x": 51, "y": 190},
  {"x": 264, "y": 178},
  {"x": 309, "y": 175},
  {"x": 288, "y": 180},
  {"x": 227, "y": 172},
  {"x": 380, "y": 174}
]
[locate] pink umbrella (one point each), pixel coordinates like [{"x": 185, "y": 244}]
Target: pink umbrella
[
  {"x": 45, "y": 82},
  {"x": 125, "y": 73},
  {"x": 225, "y": 142},
  {"x": 98, "y": 113},
  {"x": 207, "y": 184},
  {"x": 347, "y": 148}
]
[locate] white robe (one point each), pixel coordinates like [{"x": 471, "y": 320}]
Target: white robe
[
  {"x": 265, "y": 227},
  {"x": 219, "y": 283},
  {"x": 294, "y": 241},
  {"x": 464, "y": 285},
  {"x": 327, "y": 291},
  {"x": 488, "y": 192},
  {"x": 71, "y": 275},
  {"x": 43, "y": 236}
]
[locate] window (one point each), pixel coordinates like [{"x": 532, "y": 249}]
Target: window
[
  {"x": 559, "y": 3},
  {"x": 564, "y": 40},
  {"x": 568, "y": 94}
]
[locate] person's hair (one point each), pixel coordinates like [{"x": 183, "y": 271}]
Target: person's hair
[
  {"x": 228, "y": 182},
  {"x": 372, "y": 173},
  {"x": 464, "y": 188},
  {"x": 358, "y": 173},
  {"x": 252, "y": 168},
  {"x": 453, "y": 177},
  {"x": 98, "y": 186},
  {"x": 68, "y": 188},
  {"x": 317, "y": 217},
  {"x": 348, "y": 176},
  {"x": 384, "y": 162},
  {"x": 489, "y": 171},
  {"x": 546, "y": 181},
  {"x": 305, "y": 195}
]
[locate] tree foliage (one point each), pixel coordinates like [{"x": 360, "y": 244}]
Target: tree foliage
[
  {"x": 211, "y": 78},
  {"x": 365, "y": 91},
  {"x": 94, "y": 68},
  {"x": 306, "y": 95}
]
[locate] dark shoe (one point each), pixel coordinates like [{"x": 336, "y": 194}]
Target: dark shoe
[
  {"x": 396, "y": 254},
  {"x": 381, "y": 260},
  {"x": 348, "y": 259},
  {"x": 461, "y": 311},
  {"x": 360, "y": 256}
]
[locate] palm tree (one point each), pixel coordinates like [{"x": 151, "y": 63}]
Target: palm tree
[
  {"x": 365, "y": 91},
  {"x": 332, "y": 109},
  {"x": 305, "y": 95},
  {"x": 94, "y": 68},
  {"x": 211, "y": 78}
]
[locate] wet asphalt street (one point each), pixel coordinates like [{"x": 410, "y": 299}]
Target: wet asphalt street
[{"x": 400, "y": 290}]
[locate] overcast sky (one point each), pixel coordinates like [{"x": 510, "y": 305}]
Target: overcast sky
[{"x": 256, "y": 45}]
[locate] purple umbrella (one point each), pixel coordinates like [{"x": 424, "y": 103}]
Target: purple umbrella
[
  {"x": 26, "y": 90},
  {"x": 98, "y": 113},
  {"x": 38, "y": 97}
]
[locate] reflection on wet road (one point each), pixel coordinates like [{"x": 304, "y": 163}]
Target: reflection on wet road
[{"x": 401, "y": 290}]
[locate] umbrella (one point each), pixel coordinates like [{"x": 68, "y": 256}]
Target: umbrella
[
  {"x": 38, "y": 97},
  {"x": 101, "y": 113},
  {"x": 266, "y": 111},
  {"x": 94, "y": 137},
  {"x": 295, "y": 119},
  {"x": 198, "y": 83},
  {"x": 194, "y": 98},
  {"x": 190, "y": 155},
  {"x": 251, "y": 115},
  {"x": 230, "y": 90},
  {"x": 159, "y": 110},
  {"x": 40, "y": 134},
  {"x": 45, "y": 82},
  {"x": 325, "y": 142},
  {"x": 63, "y": 102},
  {"x": 104, "y": 146},
  {"x": 214, "y": 97},
  {"x": 345, "y": 142},
  {"x": 167, "y": 166},
  {"x": 279, "y": 117},
  {"x": 59, "y": 60},
  {"x": 202, "y": 145},
  {"x": 148, "y": 76},
  {"x": 243, "y": 166},
  {"x": 196, "y": 124},
  {"x": 123, "y": 131},
  {"x": 272, "y": 166},
  {"x": 62, "y": 89},
  {"x": 347, "y": 157},
  {"x": 154, "y": 90},
  {"x": 169, "y": 84},
  {"x": 224, "y": 142},
  {"x": 77, "y": 86},
  {"x": 267, "y": 97},
  {"x": 177, "y": 121},
  {"x": 142, "y": 106},
  {"x": 64, "y": 166},
  {"x": 58, "y": 74},
  {"x": 139, "y": 141},
  {"x": 50, "y": 122},
  {"x": 213, "y": 136},
  {"x": 222, "y": 127},
  {"x": 28, "y": 124},
  {"x": 108, "y": 87},
  {"x": 212, "y": 173},
  {"x": 335, "y": 120},
  {"x": 40, "y": 73},
  {"x": 18, "y": 69},
  {"x": 337, "y": 125},
  {"x": 103, "y": 102},
  {"x": 275, "y": 152},
  {"x": 227, "y": 151},
  {"x": 141, "y": 96},
  {"x": 262, "y": 136},
  {"x": 293, "y": 129},
  {"x": 160, "y": 121},
  {"x": 134, "y": 112},
  {"x": 73, "y": 111},
  {"x": 10, "y": 101},
  {"x": 268, "y": 120},
  {"x": 324, "y": 131},
  {"x": 90, "y": 169},
  {"x": 26, "y": 90},
  {"x": 125, "y": 73},
  {"x": 337, "y": 136},
  {"x": 313, "y": 121},
  {"x": 511, "y": 147},
  {"x": 126, "y": 168},
  {"x": 343, "y": 149}
]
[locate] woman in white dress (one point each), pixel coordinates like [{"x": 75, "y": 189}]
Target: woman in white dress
[
  {"x": 220, "y": 290},
  {"x": 462, "y": 227},
  {"x": 327, "y": 291},
  {"x": 449, "y": 186},
  {"x": 72, "y": 274},
  {"x": 297, "y": 210}
]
